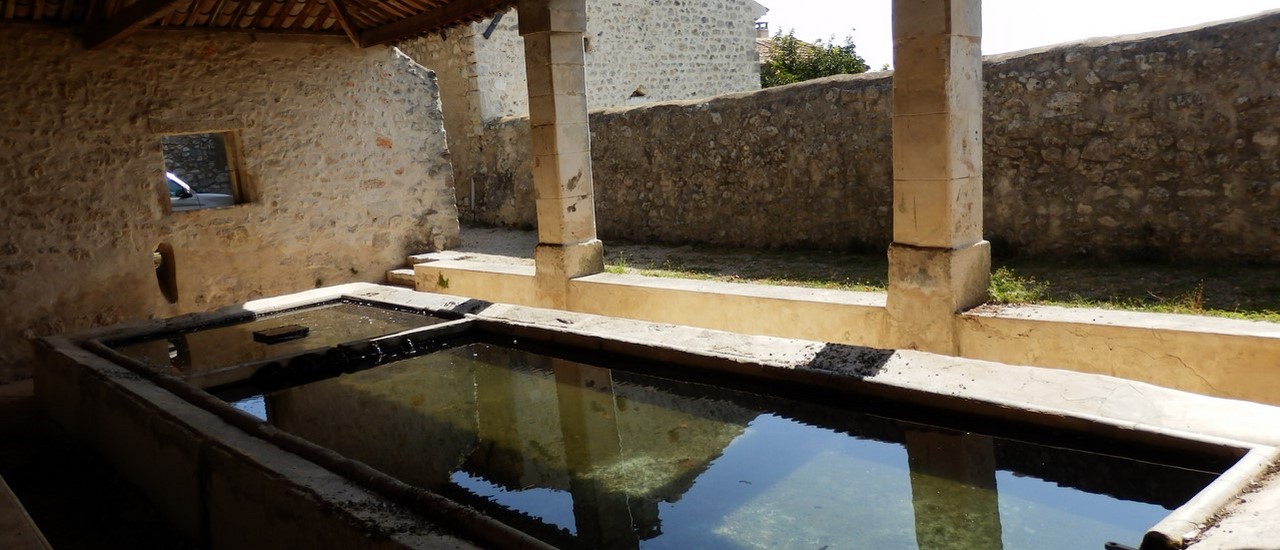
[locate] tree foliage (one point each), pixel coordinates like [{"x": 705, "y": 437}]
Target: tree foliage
[{"x": 793, "y": 60}]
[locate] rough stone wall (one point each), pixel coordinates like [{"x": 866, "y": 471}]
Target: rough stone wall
[
  {"x": 667, "y": 49},
  {"x": 343, "y": 149},
  {"x": 452, "y": 56},
  {"x": 200, "y": 160},
  {"x": 1162, "y": 145},
  {"x": 771, "y": 168}
]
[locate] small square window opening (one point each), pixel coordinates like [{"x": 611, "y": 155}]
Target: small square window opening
[{"x": 200, "y": 171}]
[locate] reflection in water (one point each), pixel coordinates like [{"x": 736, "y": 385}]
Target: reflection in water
[
  {"x": 583, "y": 456},
  {"x": 219, "y": 347},
  {"x": 953, "y": 490}
]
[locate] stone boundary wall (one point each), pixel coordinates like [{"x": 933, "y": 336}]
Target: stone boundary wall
[
  {"x": 636, "y": 52},
  {"x": 663, "y": 49},
  {"x": 1155, "y": 146}
]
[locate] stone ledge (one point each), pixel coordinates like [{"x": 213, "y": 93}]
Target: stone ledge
[
  {"x": 400, "y": 277},
  {"x": 17, "y": 530},
  {"x": 1222, "y": 357},
  {"x": 1132, "y": 319},
  {"x": 826, "y": 296}
]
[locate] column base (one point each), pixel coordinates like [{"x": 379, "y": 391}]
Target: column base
[
  {"x": 928, "y": 286},
  {"x": 556, "y": 264}
]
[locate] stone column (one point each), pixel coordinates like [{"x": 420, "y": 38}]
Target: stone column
[
  {"x": 567, "y": 244},
  {"x": 938, "y": 262}
]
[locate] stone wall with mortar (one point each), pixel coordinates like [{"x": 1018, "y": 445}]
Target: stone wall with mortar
[
  {"x": 199, "y": 160},
  {"x": 342, "y": 148},
  {"x": 452, "y": 56},
  {"x": 1162, "y": 145},
  {"x": 637, "y": 51}
]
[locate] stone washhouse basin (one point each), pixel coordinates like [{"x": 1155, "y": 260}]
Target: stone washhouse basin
[{"x": 367, "y": 416}]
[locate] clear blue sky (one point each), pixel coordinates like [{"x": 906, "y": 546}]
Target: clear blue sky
[{"x": 1008, "y": 25}]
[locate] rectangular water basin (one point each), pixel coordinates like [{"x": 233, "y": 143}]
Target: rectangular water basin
[
  {"x": 207, "y": 355},
  {"x": 516, "y": 427},
  {"x": 560, "y": 446}
]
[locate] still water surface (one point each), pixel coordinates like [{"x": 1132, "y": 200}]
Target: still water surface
[
  {"x": 585, "y": 456},
  {"x": 213, "y": 348}
]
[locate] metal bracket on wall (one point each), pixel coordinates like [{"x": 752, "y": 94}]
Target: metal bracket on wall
[{"x": 492, "y": 25}]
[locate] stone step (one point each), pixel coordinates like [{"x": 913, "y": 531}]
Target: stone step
[
  {"x": 416, "y": 259},
  {"x": 401, "y": 277}
]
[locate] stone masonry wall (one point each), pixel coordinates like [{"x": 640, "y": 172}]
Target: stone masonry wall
[
  {"x": 343, "y": 150},
  {"x": 663, "y": 49},
  {"x": 199, "y": 160},
  {"x": 1163, "y": 145}
]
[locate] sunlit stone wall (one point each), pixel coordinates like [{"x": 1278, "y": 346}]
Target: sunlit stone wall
[
  {"x": 1155, "y": 146},
  {"x": 343, "y": 149},
  {"x": 637, "y": 51}
]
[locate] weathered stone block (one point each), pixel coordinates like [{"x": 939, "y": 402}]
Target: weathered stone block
[
  {"x": 937, "y": 146},
  {"x": 562, "y": 175},
  {"x": 937, "y": 74},
  {"x": 560, "y": 138},
  {"x": 552, "y": 15},
  {"x": 912, "y": 18},
  {"x": 927, "y": 286},
  {"x": 566, "y": 220}
]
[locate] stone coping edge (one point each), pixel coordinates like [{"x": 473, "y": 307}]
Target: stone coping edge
[
  {"x": 1176, "y": 322},
  {"x": 1171, "y": 532},
  {"x": 474, "y": 525},
  {"x": 25, "y": 531},
  {"x": 1198, "y": 514}
]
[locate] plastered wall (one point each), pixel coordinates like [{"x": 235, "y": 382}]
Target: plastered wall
[
  {"x": 1163, "y": 145},
  {"x": 343, "y": 150}
]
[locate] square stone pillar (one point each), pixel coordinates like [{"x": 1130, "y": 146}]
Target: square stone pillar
[
  {"x": 561, "y": 141},
  {"x": 938, "y": 262}
]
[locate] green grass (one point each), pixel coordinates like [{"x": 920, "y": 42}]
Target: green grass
[
  {"x": 1007, "y": 287},
  {"x": 1240, "y": 291}
]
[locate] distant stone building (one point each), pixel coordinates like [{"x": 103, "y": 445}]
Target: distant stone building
[{"x": 637, "y": 51}]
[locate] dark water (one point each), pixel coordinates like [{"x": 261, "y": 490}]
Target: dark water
[
  {"x": 219, "y": 347},
  {"x": 584, "y": 456}
]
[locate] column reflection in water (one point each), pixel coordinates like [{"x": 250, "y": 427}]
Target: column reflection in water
[
  {"x": 953, "y": 490},
  {"x": 589, "y": 424},
  {"x": 521, "y": 422}
]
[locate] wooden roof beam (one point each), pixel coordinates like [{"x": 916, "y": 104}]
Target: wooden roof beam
[
  {"x": 102, "y": 33},
  {"x": 450, "y": 14},
  {"x": 344, "y": 20}
]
